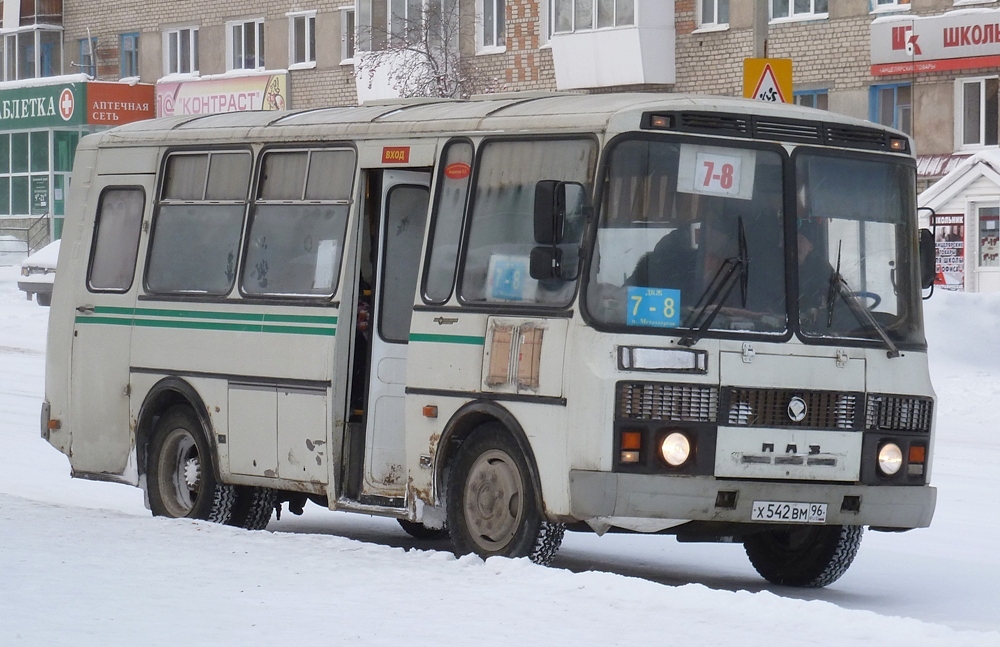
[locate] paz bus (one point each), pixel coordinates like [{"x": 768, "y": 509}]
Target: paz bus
[{"x": 502, "y": 318}]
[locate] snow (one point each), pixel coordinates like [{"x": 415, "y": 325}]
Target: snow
[{"x": 84, "y": 563}]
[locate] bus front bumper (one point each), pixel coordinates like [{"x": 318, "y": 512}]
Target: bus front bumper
[{"x": 697, "y": 498}]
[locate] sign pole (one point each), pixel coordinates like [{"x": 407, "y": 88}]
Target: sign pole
[{"x": 760, "y": 19}]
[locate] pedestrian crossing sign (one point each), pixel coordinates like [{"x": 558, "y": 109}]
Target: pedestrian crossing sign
[{"x": 768, "y": 79}]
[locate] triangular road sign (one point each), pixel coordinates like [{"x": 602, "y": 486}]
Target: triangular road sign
[
  {"x": 768, "y": 79},
  {"x": 767, "y": 88}
]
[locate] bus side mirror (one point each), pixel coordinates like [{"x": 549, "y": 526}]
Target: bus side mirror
[
  {"x": 928, "y": 252},
  {"x": 556, "y": 205},
  {"x": 550, "y": 211}
]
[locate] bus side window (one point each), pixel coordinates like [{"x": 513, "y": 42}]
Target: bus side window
[
  {"x": 196, "y": 232},
  {"x": 297, "y": 223},
  {"x": 501, "y": 226},
  {"x": 453, "y": 191},
  {"x": 116, "y": 239}
]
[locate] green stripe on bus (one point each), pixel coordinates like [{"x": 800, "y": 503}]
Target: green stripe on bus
[
  {"x": 448, "y": 339},
  {"x": 328, "y": 331}
]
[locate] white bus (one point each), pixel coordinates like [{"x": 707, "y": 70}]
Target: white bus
[{"x": 501, "y": 318}]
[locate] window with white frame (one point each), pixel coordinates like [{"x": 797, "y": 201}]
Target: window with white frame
[
  {"x": 245, "y": 44},
  {"x": 889, "y": 5},
  {"x": 31, "y": 53},
  {"x": 891, "y": 105},
  {"x": 383, "y": 24},
  {"x": 180, "y": 51},
  {"x": 976, "y": 111},
  {"x": 582, "y": 15},
  {"x": 714, "y": 13},
  {"x": 490, "y": 16},
  {"x": 302, "y": 39},
  {"x": 798, "y": 9},
  {"x": 348, "y": 34}
]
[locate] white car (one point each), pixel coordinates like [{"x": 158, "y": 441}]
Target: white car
[{"x": 38, "y": 272}]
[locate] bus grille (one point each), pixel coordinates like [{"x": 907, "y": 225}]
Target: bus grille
[
  {"x": 898, "y": 412},
  {"x": 657, "y": 401},
  {"x": 769, "y": 408}
]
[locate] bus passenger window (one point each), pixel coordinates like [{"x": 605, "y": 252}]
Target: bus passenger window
[
  {"x": 116, "y": 239},
  {"x": 298, "y": 222},
  {"x": 501, "y": 230},
  {"x": 196, "y": 232},
  {"x": 453, "y": 191}
]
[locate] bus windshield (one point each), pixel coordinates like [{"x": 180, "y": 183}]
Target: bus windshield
[
  {"x": 690, "y": 235},
  {"x": 856, "y": 249}
]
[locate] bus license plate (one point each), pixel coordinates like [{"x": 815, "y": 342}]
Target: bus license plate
[{"x": 788, "y": 512}]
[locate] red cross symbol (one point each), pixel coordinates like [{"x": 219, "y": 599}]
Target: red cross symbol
[{"x": 66, "y": 104}]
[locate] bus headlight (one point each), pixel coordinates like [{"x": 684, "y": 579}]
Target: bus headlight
[
  {"x": 890, "y": 458},
  {"x": 676, "y": 449}
]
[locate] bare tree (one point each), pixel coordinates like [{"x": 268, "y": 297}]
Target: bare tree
[{"x": 423, "y": 53}]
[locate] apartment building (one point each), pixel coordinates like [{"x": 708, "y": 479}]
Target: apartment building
[{"x": 928, "y": 67}]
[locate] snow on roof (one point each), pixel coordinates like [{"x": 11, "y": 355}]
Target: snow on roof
[{"x": 985, "y": 163}]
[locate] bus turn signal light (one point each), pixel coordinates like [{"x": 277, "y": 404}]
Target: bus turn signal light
[{"x": 630, "y": 445}]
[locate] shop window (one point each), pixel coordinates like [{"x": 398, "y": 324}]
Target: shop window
[
  {"x": 63, "y": 149},
  {"x": 39, "y": 151},
  {"x": 4, "y": 196},
  {"x": 582, "y": 15},
  {"x": 302, "y": 39},
  {"x": 490, "y": 16},
  {"x": 87, "y": 62},
  {"x": 20, "y": 195},
  {"x": 4, "y": 153},
  {"x": 128, "y": 46},
  {"x": 116, "y": 239},
  {"x": 19, "y": 152},
  {"x": 989, "y": 236},
  {"x": 245, "y": 44},
  {"x": 977, "y": 114},
  {"x": 798, "y": 9},
  {"x": 180, "y": 51},
  {"x": 813, "y": 99},
  {"x": 714, "y": 13},
  {"x": 891, "y": 105}
]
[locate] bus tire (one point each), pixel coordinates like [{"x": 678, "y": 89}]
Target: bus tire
[
  {"x": 181, "y": 475},
  {"x": 811, "y": 557},
  {"x": 253, "y": 507},
  {"x": 493, "y": 504},
  {"x": 420, "y": 531}
]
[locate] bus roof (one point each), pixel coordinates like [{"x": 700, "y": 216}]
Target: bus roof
[{"x": 507, "y": 113}]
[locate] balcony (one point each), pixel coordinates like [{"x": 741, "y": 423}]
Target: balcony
[
  {"x": 34, "y": 12},
  {"x": 637, "y": 54}
]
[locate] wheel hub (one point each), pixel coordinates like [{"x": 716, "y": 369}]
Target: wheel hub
[{"x": 493, "y": 500}]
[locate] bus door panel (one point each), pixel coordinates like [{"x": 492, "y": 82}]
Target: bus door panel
[
  {"x": 405, "y": 196},
  {"x": 104, "y": 295}
]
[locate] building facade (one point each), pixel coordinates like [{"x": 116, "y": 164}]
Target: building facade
[{"x": 928, "y": 67}]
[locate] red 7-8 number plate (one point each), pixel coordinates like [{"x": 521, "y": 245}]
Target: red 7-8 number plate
[{"x": 788, "y": 512}]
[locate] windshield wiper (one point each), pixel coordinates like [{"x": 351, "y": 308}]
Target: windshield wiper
[
  {"x": 840, "y": 286},
  {"x": 719, "y": 289}
]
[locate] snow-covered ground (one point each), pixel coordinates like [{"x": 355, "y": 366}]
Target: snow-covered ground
[{"x": 83, "y": 563}]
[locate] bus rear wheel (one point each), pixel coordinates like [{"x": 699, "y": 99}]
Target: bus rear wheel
[
  {"x": 493, "y": 504},
  {"x": 252, "y": 507},
  {"x": 810, "y": 557},
  {"x": 181, "y": 476}
]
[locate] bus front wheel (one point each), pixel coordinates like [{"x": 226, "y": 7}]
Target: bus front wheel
[
  {"x": 181, "y": 479},
  {"x": 813, "y": 556},
  {"x": 492, "y": 502}
]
